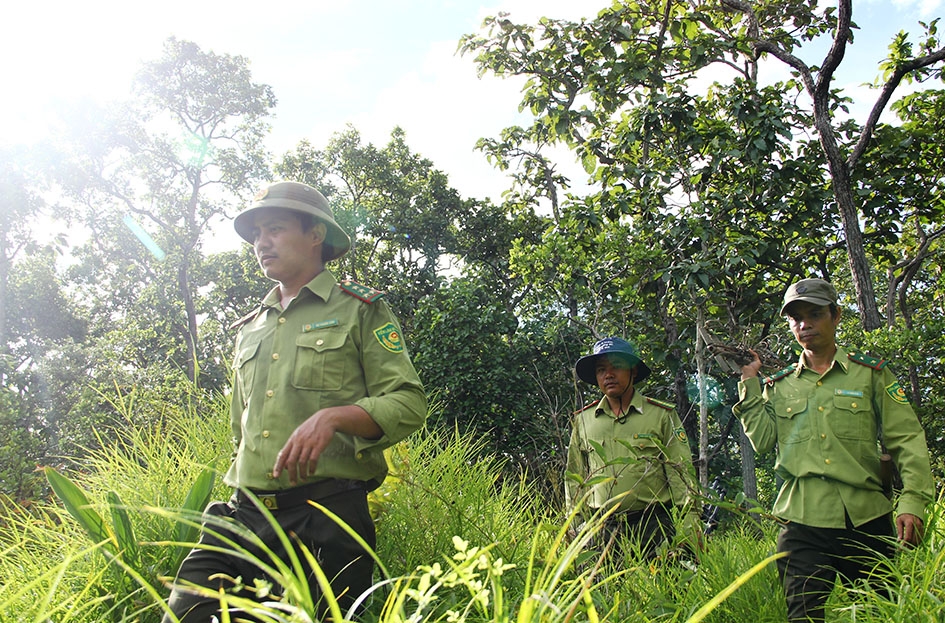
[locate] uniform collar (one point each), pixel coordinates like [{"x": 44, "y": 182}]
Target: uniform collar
[
  {"x": 636, "y": 403},
  {"x": 840, "y": 360},
  {"x": 321, "y": 286}
]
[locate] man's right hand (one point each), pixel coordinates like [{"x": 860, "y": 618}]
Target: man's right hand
[{"x": 752, "y": 368}]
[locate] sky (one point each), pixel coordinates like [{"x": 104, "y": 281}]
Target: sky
[{"x": 374, "y": 64}]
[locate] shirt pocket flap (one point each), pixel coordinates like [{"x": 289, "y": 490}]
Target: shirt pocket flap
[
  {"x": 851, "y": 403},
  {"x": 321, "y": 341},
  {"x": 244, "y": 354},
  {"x": 790, "y": 407}
]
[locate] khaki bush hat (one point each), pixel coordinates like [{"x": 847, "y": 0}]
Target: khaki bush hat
[
  {"x": 816, "y": 291},
  {"x": 300, "y": 198},
  {"x": 586, "y": 366}
]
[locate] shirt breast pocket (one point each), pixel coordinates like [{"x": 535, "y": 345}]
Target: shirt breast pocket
[
  {"x": 852, "y": 418},
  {"x": 319, "y": 361},
  {"x": 793, "y": 420},
  {"x": 244, "y": 367}
]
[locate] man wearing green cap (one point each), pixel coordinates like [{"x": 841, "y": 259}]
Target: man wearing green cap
[
  {"x": 826, "y": 414},
  {"x": 322, "y": 385},
  {"x": 645, "y": 452}
]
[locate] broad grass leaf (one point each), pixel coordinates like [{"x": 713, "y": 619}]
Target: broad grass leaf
[{"x": 78, "y": 506}]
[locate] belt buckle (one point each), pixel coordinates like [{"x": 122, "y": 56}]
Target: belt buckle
[{"x": 269, "y": 501}]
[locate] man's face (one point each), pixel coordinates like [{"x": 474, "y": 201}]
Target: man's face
[
  {"x": 812, "y": 325},
  {"x": 285, "y": 252},
  {"x": 614, "y": 375}
]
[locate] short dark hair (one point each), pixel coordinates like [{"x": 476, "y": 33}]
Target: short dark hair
[{"x": 308, "y": 221}]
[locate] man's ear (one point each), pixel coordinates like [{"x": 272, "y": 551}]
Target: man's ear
[{"x": 320, "y": 232}]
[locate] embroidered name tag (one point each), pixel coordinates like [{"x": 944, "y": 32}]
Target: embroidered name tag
[
  {"x": 319, "y": 325},
  {"x": 853, "y": 393}
]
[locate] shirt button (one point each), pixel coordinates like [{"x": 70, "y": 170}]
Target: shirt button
[
  {"x": 359, "y": 456},
  {"x": 265, "y": 434},
  {"x": 820, "y": 408},
  {"x": 270, "y": 393},
  {"x": 823, "y": 436},
  {"x": 269, "y": 475},
  {"x": 819, "y": 383},
  {"x": 853, "y": 404},
  {"x": 319, "y": 342},
  {"x": 827, "y": 461},
  {"x": 281, "y": 320},
  {"x": 275, "y": 356},
  {"x": 789, "y": 409}
]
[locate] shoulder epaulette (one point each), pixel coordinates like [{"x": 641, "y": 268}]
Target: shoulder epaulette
[
  {"x": 866, "y": 360},
  {"x": 250, "y": 316},
  {"x": 659, "y": 403},
  {"x": 780, "y": 374},
  {"x": 360, "y": 292}
]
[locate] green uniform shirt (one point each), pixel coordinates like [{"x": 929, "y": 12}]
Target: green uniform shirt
[
  {"x": 646, "y": 456},
  {"x": 826, "y": 430},
  {"x": 328, "y": 348}
]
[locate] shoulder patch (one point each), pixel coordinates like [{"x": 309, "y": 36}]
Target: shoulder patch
[
  {"x": 780, "y": 374},
  {"x": 897, "y": 393},
  {"x": 866, "y": 360},
  {"x": 250, "y": 316},
  {"x": 659, "y": 403},
  {"x": 360, "y": 292},
  {"x": 389, "y": 337}
]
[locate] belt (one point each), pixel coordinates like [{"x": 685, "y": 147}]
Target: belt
[
  {"x": 296, "y": 496},
  {"x": 636, "y": 515}
]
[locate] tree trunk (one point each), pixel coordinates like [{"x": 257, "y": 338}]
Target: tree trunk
[
  {"x": 749, "y": 480},
  {"x": 703, "y": 462},
  {"x": 843, "y": 194},
  {"x": 183, "y": 284}
]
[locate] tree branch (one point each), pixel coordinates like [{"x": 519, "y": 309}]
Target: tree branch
[{"x": 885, "y": 95}]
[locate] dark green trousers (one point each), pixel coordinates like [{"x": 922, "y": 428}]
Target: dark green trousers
[
  {"x": 343, "y": 561},
  {"x": 817, "y": 556},
  {"x": 644, "y": 530}
]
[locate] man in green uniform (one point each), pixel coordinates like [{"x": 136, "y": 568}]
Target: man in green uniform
[
  {"x": 646, "y": 454},
  {"x": 826, "y": 413},
  {"x": 322, "y": 385}
]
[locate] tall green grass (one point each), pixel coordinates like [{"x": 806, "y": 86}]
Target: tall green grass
[{"x": 458, "y": 540}]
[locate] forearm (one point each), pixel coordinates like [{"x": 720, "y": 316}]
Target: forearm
[
  {"x": 754, "y": 413},
  {"x": 396, "y": 414}
]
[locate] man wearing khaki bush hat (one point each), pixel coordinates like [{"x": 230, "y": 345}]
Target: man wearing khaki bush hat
[
  {"x": 322, "y": 385},
  {"x": 634, "y": 450},
  {"x": 829, "y": 416}
]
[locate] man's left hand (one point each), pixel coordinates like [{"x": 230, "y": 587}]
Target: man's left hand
[
  {"x": 908, "y": 529},
  {"x": 299, "y": 455}
]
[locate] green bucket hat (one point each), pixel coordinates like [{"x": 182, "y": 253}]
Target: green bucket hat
[
  {"x": 300, "y": 198},
  {"x": 586, "y": 366},
  {"x": 816, "y": 291}
]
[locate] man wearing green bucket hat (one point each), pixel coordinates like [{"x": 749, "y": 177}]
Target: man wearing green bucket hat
[
  {"x": 826, "y": 414},
  {"x": 644, "y": 453},
  {"x": 322, "y": 385}
]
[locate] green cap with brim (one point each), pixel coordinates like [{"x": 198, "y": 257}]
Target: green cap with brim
[
  {"x": 586, "y": 366},
  {"x": 816, "y": 291},
  {"x": 300, "y": 198}
]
